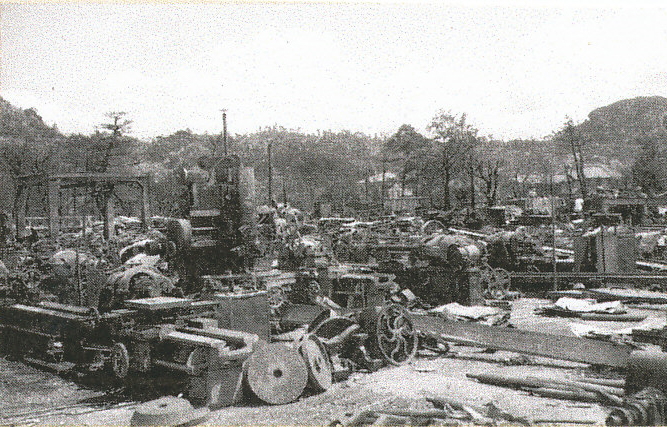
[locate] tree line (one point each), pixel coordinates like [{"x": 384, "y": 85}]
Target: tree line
[{"x": 450, "y": 166}]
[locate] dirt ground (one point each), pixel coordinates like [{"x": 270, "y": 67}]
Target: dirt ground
[{"x": 25, "y": 391}]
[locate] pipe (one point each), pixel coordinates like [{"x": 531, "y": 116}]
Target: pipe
[{"x": 609, "y": 382}]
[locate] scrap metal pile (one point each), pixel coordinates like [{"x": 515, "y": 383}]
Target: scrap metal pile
[{"x": 188, "y": 301}]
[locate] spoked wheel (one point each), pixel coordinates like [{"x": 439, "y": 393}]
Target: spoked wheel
[{"x": 396, "y": 335}]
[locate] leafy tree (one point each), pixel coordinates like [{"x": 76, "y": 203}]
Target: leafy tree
[
  {"x": 27, "y": 146},
  {"x": 454, "y": 139},
  {"x": 114, "y": 140},
  {"x": 648, "y": 171},
  {"x": 408, "y": 148}
]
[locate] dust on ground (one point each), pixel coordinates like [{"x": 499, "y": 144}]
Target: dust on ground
[{"x": 400, "y": 387}]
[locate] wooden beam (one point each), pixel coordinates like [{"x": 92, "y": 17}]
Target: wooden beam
[
  {"x": 54, "y": 203},
  {"x": 534, "y": 343},
  {"x": 109, "y": 229}
]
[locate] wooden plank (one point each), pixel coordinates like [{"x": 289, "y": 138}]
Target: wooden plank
[{"x": 534, "y": 343}]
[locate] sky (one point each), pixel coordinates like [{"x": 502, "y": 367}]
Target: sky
[{"x": 517, "y": 69}]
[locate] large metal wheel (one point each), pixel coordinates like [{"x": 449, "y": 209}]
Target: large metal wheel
[
  {"x": 395, "y": 334},
  {"x": 120, "y": 360},
  {"x": 320, "y": 371},
  {"x": 276, "y": 373}
]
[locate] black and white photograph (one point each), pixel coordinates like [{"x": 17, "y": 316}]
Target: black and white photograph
[{"x": 353, "y": 213}]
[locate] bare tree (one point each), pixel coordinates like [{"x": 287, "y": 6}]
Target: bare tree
[
  {"x": 569, "y": 135},
  {"x": 118, "y": 127},
  {"x": 487, "y": 168}
]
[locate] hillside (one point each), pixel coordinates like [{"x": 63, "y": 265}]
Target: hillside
[
  {"x": 612, "y": 131},
  {"x": 18, "y": 123}
]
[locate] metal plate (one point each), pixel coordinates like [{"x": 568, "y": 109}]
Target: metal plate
[
  {"x": 277, "y": 374},
  {"x": 317, "y": 361}
]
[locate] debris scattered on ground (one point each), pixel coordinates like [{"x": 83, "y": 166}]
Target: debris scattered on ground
[{"x": 481, "y": 314}]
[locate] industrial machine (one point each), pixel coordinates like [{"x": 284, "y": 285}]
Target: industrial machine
[{"x": 219, "y": 235}]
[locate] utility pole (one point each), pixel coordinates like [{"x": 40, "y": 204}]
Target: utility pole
[
  {"x": 224, "y": 130},
  {"x": 270, "y": 175},
  {"x": 384, "y": 173}
]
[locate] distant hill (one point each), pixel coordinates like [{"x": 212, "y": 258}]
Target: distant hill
[
  {"x": 17, "y": 122},
  {"x": 612, "y": 131}
]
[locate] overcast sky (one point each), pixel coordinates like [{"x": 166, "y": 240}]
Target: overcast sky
[{"x": 517, "y": 70}]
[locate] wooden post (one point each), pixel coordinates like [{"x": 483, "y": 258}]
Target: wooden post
[
  {"x": 19, "y": 209},
  {"x": 54, "y": 213},
  {"x": 109, "y": 216},
  {"x": 145, "y": 208}
]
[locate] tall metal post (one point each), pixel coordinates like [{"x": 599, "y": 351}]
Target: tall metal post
[{"x": 224, "y": 130}]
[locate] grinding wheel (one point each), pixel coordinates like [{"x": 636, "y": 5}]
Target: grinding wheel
[
  {"x": 120, "y": 360},
  {"x": 320, "y": 371},
  {"x": 277, "y": 374}
]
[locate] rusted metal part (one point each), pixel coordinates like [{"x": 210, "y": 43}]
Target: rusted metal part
[
  {"x": 480, "y": 415},
  {"x": 577, "y": 395},
  {"x": 534, "y": 343},
  {"x": 610, "y": 382},
  {"x": 276, "y": 373}
]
